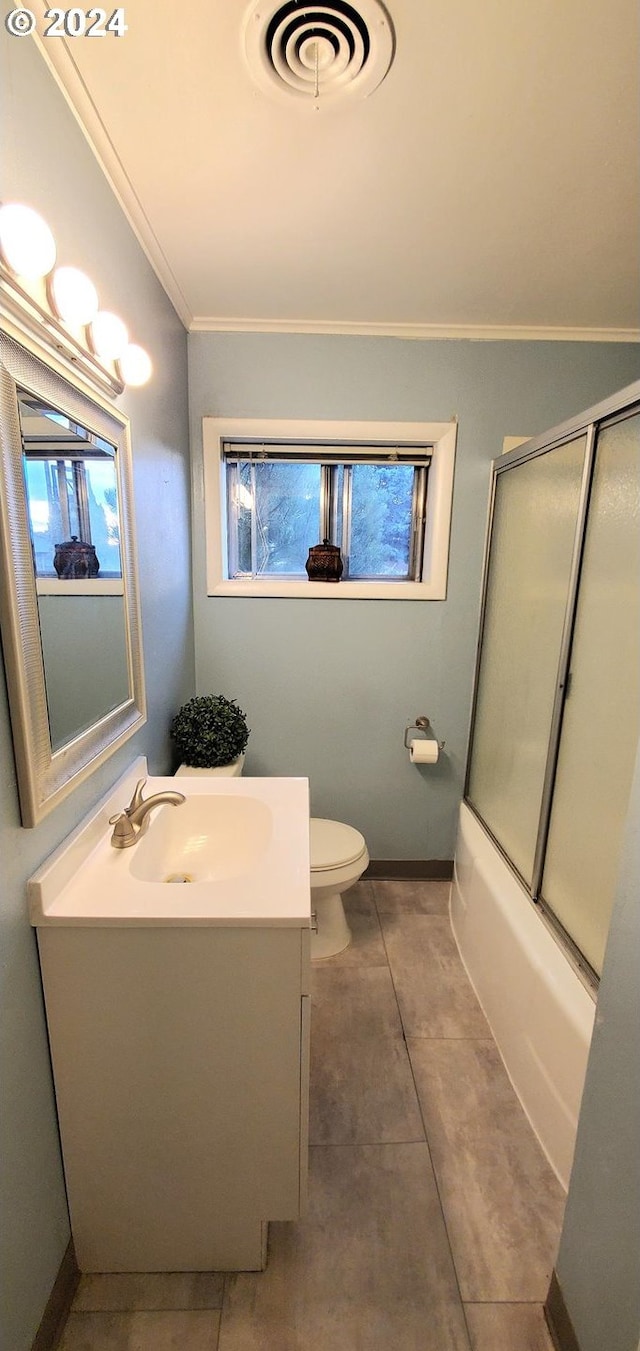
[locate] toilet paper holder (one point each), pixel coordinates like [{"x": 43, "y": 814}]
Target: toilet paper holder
[{"x": 421, "y": 724}]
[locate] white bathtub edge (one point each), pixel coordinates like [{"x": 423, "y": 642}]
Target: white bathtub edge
[{"x": 540, "y": 1013}]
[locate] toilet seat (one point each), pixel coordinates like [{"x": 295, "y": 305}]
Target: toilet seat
[{"x": 333, "y": 845}]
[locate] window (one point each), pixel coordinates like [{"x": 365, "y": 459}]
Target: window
[
  {"x": 273, "y": 490},
  {"x": 280, "y": 502},
  {"x": 71, "y": 488}
]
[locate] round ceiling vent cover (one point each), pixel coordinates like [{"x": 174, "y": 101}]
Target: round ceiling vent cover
[{"x": 319, "y": 53}]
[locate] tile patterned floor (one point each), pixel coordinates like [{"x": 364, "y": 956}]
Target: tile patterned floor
[{"x": 433, "y": 1218}]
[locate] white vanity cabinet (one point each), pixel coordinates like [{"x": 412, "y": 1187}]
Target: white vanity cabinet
[
  {"x": 180, "y": 1059},
  {"x": 178, "y": 1021}
]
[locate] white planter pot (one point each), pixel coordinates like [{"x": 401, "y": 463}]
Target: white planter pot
[{"x": 230, "y": 771}]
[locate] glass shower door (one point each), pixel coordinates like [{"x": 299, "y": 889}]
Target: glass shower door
[
  {"x": 536, "y": 510},
  {"x": 601, "y": 712}
]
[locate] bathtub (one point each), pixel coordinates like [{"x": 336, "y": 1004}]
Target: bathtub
[{"x": 539, "y": 1011}]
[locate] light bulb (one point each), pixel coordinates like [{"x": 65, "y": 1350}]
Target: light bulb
[
  {"x": 74, "y": 296},
  {"x": 26, "y": 241},
  {"x": 135, "y": 365},
  {"x": 109, "y": 336}
]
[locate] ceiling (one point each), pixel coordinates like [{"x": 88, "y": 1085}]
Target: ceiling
[{"x": 487, "y": 187}]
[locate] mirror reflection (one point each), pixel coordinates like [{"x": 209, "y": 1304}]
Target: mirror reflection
[{"x": 71, "y": 489}]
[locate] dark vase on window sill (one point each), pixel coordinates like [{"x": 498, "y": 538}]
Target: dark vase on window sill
[
  {"x": 74, "y": 559},
  {"x": 324, "y": 563}
]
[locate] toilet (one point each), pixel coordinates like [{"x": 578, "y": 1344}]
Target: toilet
[{"x": 338, "y": 858}]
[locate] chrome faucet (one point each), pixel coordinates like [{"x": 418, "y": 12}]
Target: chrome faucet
[{"x": 130, "y": 824}]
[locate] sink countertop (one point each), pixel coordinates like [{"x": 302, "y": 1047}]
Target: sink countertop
[{"x": 86, "y": 881}]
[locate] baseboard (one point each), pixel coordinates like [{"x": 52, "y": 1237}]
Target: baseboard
[
  {"x": 395, "y": 869},
  {"x": 558, "y": 1318},
  {"x": 58, "y": 1303}
]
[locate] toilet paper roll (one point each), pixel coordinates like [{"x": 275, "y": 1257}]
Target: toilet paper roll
[{"x": 424, "y": 751}]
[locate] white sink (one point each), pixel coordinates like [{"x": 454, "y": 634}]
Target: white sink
[
  {"x": 208, "y": 838},
  {"x": 240, "y": 845}
]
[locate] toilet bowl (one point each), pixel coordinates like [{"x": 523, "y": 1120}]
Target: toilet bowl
[{"x": 338, "y": 858}]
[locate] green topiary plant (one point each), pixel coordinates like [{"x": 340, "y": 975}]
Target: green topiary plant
[{"x": 209, "y": 731}]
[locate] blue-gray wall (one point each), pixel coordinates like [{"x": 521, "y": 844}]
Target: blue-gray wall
[
  {"x": 328, "y": 687},
  {"x": 47, "y": 163}
]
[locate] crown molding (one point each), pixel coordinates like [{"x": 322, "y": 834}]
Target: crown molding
[
  {"x": 58, "y": 59},
  {"x": 470, "y": 332}
]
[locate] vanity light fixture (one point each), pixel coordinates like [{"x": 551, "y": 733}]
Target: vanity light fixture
[
  {"x": 27, "y": 243},
  {"x": 135, "y": 365},
  {"x": 74, "y": 296},
  {"x": 61, "y": 307},
  {"x": 108, "y": 335}
]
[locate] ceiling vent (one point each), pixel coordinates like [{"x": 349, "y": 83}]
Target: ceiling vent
[{"x": 320, "y": 53}]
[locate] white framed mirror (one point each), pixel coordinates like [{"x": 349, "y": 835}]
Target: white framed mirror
[{"x": 69, "y": 601}]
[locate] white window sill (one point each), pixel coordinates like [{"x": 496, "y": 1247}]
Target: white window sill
[
  {"x": 293, "y": 590},
  {"x": 80, "y": 586}
]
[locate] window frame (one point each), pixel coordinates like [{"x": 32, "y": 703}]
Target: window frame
[
  {"x": 334, "y": 502},
  {"x": 352, "y": 438}
]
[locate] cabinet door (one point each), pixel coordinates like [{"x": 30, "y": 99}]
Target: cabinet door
[
  {"x": 305, "y": 1030},
  {"x": 177, "y": 1065}
]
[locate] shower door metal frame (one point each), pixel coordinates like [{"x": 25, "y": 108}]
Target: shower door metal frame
[{"x": 614, "y": 409}]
